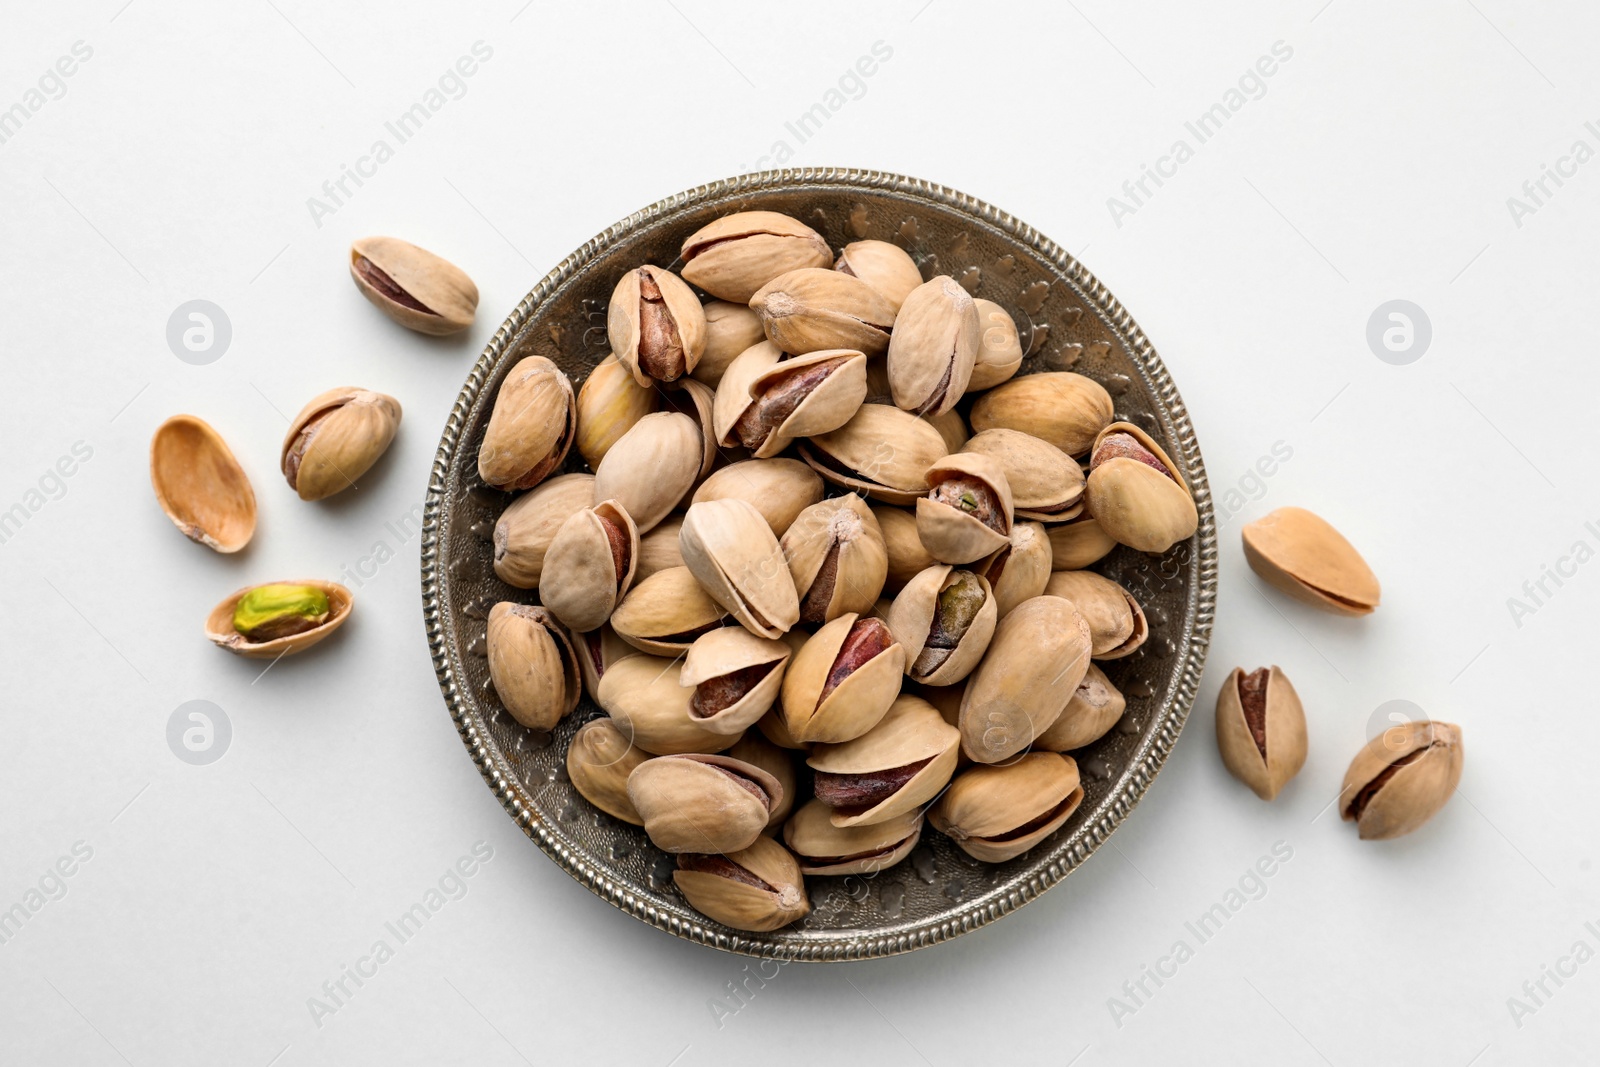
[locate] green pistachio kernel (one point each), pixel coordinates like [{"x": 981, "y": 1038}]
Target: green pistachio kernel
[{"x": 269, "y": 612}]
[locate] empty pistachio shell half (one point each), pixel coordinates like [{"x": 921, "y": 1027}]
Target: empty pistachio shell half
[
  {"x": 532, "y": 664},
  {"x": 735, "y": 676},
  {"x": 651, "y": 467},
  {"x": 281, "y": 617},
  {"x": 652, "y": 710},
  {"x": 934, "y": 347},
  {"x": 737, "y": 254},
  {"x": 1136, "y": 493},
  {"x": 1039, "y": 654},
  {"x": 1020, "y": 569},
  {"x": 999, "y": 347},
  {"x": 825, "y": 849},
  {"x": 413, "y": 286},
  {"x": 656, "y": 325},
  {"x": 1302, "y": 555},
  {"x": 1065, "y": 409},
  {"x": 531, "y": 427},
  {"x": 1046, "y": 483},
  {"x": 702, "y": 803},
  {"x": 525, "y": 529},
  {"x": 1078, "y": 543},
  {"x": 1095, "y": 708},
  {"x": 888, "y": 268},
  {"x": 589, "y": 566},
  {"x": 1402, "y": 778},
  {"x": 609, "y": 403},
  {"x": 759, "y": 888},
  {"x": 1261, "y": 729},
  {"x": 966, "y": 514},
  {"x": 728, "y": 546},
  {"x": 814, "y": 308},
  {"x": 1116, "y": 622},
  {"x": 997, "y": 813},
  {"x": 730, "y": 329},
  {"x": 599, "y": 760},
  {"x": 842, "y": 680},
  {"x": 945, "y": 618},
  {"x": 665, "y": 613},
  {"x": 894, "y": 768},
  {"x": 836, "y": 557},
  {"x": 336, "y": 438},
  {"x": 882, "y": 451},
  {"x": 200, "y": 485}
]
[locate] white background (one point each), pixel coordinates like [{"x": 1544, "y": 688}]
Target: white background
[{"x": 1377, "y": 166}]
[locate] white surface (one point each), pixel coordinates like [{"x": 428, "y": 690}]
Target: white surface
[{"x": 218, "y": 899}]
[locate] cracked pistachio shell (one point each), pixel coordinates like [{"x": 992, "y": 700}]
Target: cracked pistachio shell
[
  {"x": 597, "y": 650},
  {"x": 533, "y": 665},
  {"x": 701, "y": 803},
  {"x": 856, "y": 704},
  {"x": 589, "y": 566},
  {"x": 836, "y": 557},
  {"x": 934, "y": 347},
  {"x": 655, "y": 324},
  {"x": 531, "y": 428},
  {"x": 220, "y": 629},
  {"x": 911, "y": 618},
  {"x": 729, "y": 547},
  {"x": 888, "y": 268},
  {"x": 907, "y": 556},
  {"x": 1078, "y": 544},
  {"x": 1039, "y": 654},
  {"x": 1020, "y": 569},
  {"x": 643, "y": 697},
  {"x": 664, "y": 613},
  {"x": 658, "y": 549},
  {"x": 525, "y": 529},
  {"x": 1261, "y": 729},
  {"x": 200, "y": 485},
  {"x": 814, "y": 308},
  {"x": 1402, "y": 778},
  {"x": 754, "y": 748},
  {"x": 413, "y": 286},
  {"x": 825, "y": 849},
  {"x": 999, "y": 347},
  {"x": 609, "y": 404},
  {"x": 599, "y": 760},
  {"x": 651, "y": 467},
  {"x": 696, "y": 400},
  {"x": 832, "y": 383},
  {"x": 1095, "y": 708},
  {"x": 737, "y": 254},
  {"x": 953, "y": 532},
  {"x": 730, "y": 329},
  {"x": 1116, "y": 621},
  {"x": 882, "y": 451},
  {"x": 1300, "y": 554},
  {"x": 336, "y": 438},
  {"x": 772, "y": 727},
  {"x": 733, "y": 397},
  {"x": 1046, "y": 483},
  {"x": 777, "y": 901},
  {"x": 1142, "y": 506},
  {"x": 986, "y": 809},
  {"x": 731, "y": 662},
  {"x": 779, "y": 489},
  {"x": 911, "y": 731},
  {"x": 1060, "y": 407}
]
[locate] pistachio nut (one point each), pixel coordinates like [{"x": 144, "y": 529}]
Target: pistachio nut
[
  {"x": 952, "y": 429},
  {"x": 825, "y": 849},
  {"x": 995, "y": 814},
  {"x": 1039, "y": 654},
  {"x": 609, "y": 403},
  {"x": 999, "y": 347},
  {"x": 730, "y": 329},
  {"x": 1046, "y": 483},
  {"x": 597, "y": 650},
  {"x": 200, "y": 485},
  {"x": 699, "y": 803},
  {"x": 642, "y": 694},
  {"x": 888, "y": 268},
  {"x": 1261, "y": 729},
  {"x": 1060, "y": 407},
  {"x": 531, "y": 427},
  {"x": 737, "y": 254},
  {"x": 696, "y": 400},
  {"x": 1020, "y": 569},
  {"x": 1402, "y": 778},
  {"x": 1136, "y": 493},
  {"x": 733, "y": 398},
  {"x": 842, "y": 680},
  {"x": 599, "y": 760},
  {"x": 895, "y": 767},
  {"x": 281, "y": 617},
  {"x": 800, "y": 397},
  {"x": 655, "y": 325},
  {"x": 533, "y": 665},
  {"x": 658, "y": 549},
  {"x": 945, "y": 618},
  {"x": 934, "y": 347},
  {"x": 780, "y": 489},
  {"x": 651, "y": 467},
  {"x": 753, "y": 748},
  {"x": 1078, "y": 543},
  {"x": 882, "y": 451},
  {"x": 772, "y": 727},
  {"x": 664, "y": 613},
  {"x": 729, "y": 547},
  {"x": 759, "y": 888},
  {"x": 1095, "y": 708},
  {"x": 1300, "y": 554},
  {"x": 907, "y": 556},
  {"x": 336, "y": 438},
  {"x": 966, "y": 514},
  {"x": 589, "y": 566},
  {"x": 815, "y": 308},
  {"x": 1116, "y": 621},
  {"x": 413, "y": 286},
  {"x": 735, "y": 676},
  {"x": 836, "y": 557},
  {"x": 525, "y": 529}
]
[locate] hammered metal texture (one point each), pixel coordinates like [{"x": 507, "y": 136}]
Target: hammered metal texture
[{"x": 1067, "y": 320}]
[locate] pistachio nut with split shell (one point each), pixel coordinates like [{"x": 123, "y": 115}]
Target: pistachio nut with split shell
[
  {"x": 733, "y": 398},
  {"x": 999, "y": 347},
  {"x": 995, "y": 814},
  {"x": 658, "y": 549},
  {"x": 700, "y": 803},
  {"x": 531, "y": 428},
  {"x": 1095, "y": 708},
  {"x": 734, "y": 256},
  {"x": 651, "y": 467},
  {"x": 1261, "y": 729},
  {"x": 1039, "y": 654},
  {"x": 897, "y": 766},
  {"x": 735, "y": 676},
  {"x": 1402, "y": 778},
  {"x": 1300, "y": 554},
  {"x": 696, "y": 400},
  {"x": 414, "y": 287},
  {"x": 1020, "y": 569},
  {"x": 589, "y": 566},
  {"x": 945, "y": 618},
  {"x": 729, "y": 547},
  {"x": 655, "y": 325},
  {"x": 665, "y": 613},
  {"x": 934, "y": 347},
  {"x": 887, "y": 267},
  {"x": 755, "y": 749},
  {"x": 836, "y": 557},
  {"x": 336, "y": 438},
  {"x": 730, "y": 329},
  {"x": 842, "y": 680},
  {"x": 523, "y": 533},
  {"x": 1046, "y": 483},
  {"x": 1078, "y": 543},
  {"x": 1062, "y": 408},
  {"x": 532, "y": 664},
  {"x": 1136, "y": 493},
  {"x": 800, "y": 397},
  {"x": 772, "y": 727},
  {"x": 200, "y": 485},
  {"x": 609, "y": 403},
  {"x": 882, "y": 451},
  {"x": 780, "y": 489},
  {"x": 278, "y": 618},
  {"x": 814, "y": 308},
  {"x": 907, "y": 555},
  {"x": 966, "y": 514},
  {"x": 759, "y": 888},
  {"x": 1116, "y": 621},
  {"x": 642, "y": 694},
  {"x": 597, "y": 650},
  {"x": 599, "y": 760},
  {"x": 866, "y": 848}
]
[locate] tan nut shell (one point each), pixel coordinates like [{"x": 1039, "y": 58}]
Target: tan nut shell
[
  {"x": 658, "y": 549},
  {"x": 1300, "y": 554},
  {"x": 910, "y": 618},
  {"x": 609, "y": 403},
  {"x": 219, "y": 624},
  {"x": 951, "y": 428},
  {"x": 728, "y": 546},
  {"x": 1095, "y": 708},
  {"x": 985, "y": 805},
  {"x": 1136, "y": 504},
  {"x": 730, "y": 329},
  {"x": 999, "y": 347},
  {"x": 696, "y": 400},
  {"x": 664, "y": 613},
  {"x": 1046, "y": 483},
  {"x": 814, "y": 308},
  {"x": 950, "y": 534},
  {"x": 1020, "y": 569},
  {"x": 737, "y": 254},
  {"x": 934, "y": 347},
  {"x": 1078, "y": 544},
  {"x": 652, "y": 467},
  {"x": 1285, "y": 729},
  {"x": 355, "y": 428},
  {"x": 525, "y": 529},
  {"x": 747, "y": 907},
  {"x": 724, "y": 651},
  {"x": 690, "y": 805},
  {"x": 856, "y": 704},
  {"x": 733, "y": 397},
  {"x": 911, "y": 731},
  {"x": 531, "y": 428},
  {"x": 888, "y": 268},
  {"x": 435, "y": 283},
  {"x": 652, "y": 710},
  {"x": 622, "y": 319},
  {"x": 907, "y": 556},
  {"x": 532, "y": 664},
  {"x": 1039, "y": 654},
  {"x": 579, "y": 584},
  {"x": 882, "y": 451},
  {"x": 841, "y": 537},
  {"x": 599, "y": 760},
  {"x": 200, "y": 485},
  {"x": 828, "y": 406},
  {"x": 780, "y": 489},
  {"x": 1065, "y": 409},
  {"x": 597, "y": 650},
  {"x": 754, "y": 748},
  {"x": 1116, "y": 621},
  {"x": 1429, "y": 755},
  {"x": 825, "y": 849}
]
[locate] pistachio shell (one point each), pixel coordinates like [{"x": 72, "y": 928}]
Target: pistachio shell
[
  {"x": 200, "y": 485},
  {"x": 533, "y": 665},
  {"x": 1020, "y": 569},
  {"x": 772, "y": 727},
  {"x": 999, "y": 347},
  {"x": 728, "y": 546},
  {"x": 664, "y": 613},
  {"x": 1142, "y": 506},
  {"x": 597, "y": 650},
  {"x": 737, "y": 254},
  {"x": 888, "y": 268},
  {"x": 1095, "y": 708},
  {"x": 855, "y": 704},
  {"x": 831, "y": 384},
  {"x": 755, "y": 749},
  {"x": 912, "y": 731},
  {"x": 988, "y": 811},
  {"x": 907, "y": 556},
  {"x": 911, "y": 618},
  {"x": 652, "y": 467},
  {"x": 836, "y": 557},
  {"x": 733, "y": 397},
  {"x": 1300, "y": 554},
  {"x": 730, "y": 329},
  {"x": 657, "y": 336},
  {"x": 696, "y": 400},
  {"x": 698, "y": 803},
  {"x": 814, "y": 308},
  {"x": 412, "y": 286},
  {"x": 1402, "y": 778},
  {"x": 336, "y": 438},
  {"x": 1065, "y": 409},
  {"x": 1261, "y": 729},
  {"x": 725, "y": 652},
  {"x": 964, "y": 489},
  {"x": 882, "y": 451},
  {"x": 952, "y": 429},
  {"x": 658, "y": 549},
  {"x": 219, "y": 624},
  {"x": 609, "y": 403},
  {"x": 652, "y": 710},
  {"x": 1046, "y": 484},
  {"x": 524, "y": 531},
  {"x": 1039, "y": 654},
  {"x": 590, "y": 565},
  {"x": 825, "y": 849},
  {"x": 777, "y": 901},
  {"x": 934, "y": 347},
  {"x": 599, "y": 760},
  {"x": 779, "y": 489},
  {"x": 531, "y": 428},
  {"x": 1116, "y": 622},
  {"x": 1078, "y": 544}
]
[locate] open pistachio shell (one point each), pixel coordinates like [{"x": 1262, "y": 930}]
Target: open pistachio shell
[
  {"x": 523, "y": 533},
  {"x": 200, "y": 485},
  {"x": 733, "y": 397},
  {"x": 999, "y": 347},
  {"x": 887, "y": 267},
  {"x": 754, "y": 748},
  {"x": 759, "y": 888},
  {"x": 1116, "y": 621},
  {"x": 701, "y": 803},
  {"x": 533, "y": 665},
  {"x": 1020, "y": 569},
  {"x": 599, "y": 760},
  {"x": 1136, "y": 493},
  {"x": 780, "y": 489},
  {"x": 934, "y": 347},
  {"x": 735, "y": 676},
  {"x": 736, "y": 255},
  {"x": 730, "y": 329},
  {"x": 1261, "y": 729},
  {"x": 652, "y": 710},
  {"x": 531, "y": 427},
  {"x": 1078, "y": 543},
  {"x": 825, "y": 849},
  {"x": 728, "y": 546},
  {"x": 800, "y": 397},
  {"x": 1063, "y": 408},
  {"x": 652, "y": 467},
  {"x": 336, "y": 438},
  {"x": 842, "y": 681},
  {"x": 837, "y": 558},
  {"x": 882, "y": 451},
  {"x": 1300, "y": 554},
  {"x": 220, "y": 628},
  {"x": 772, "y": 727},
  {"x": 1402, "y": 778},
  {"x": 813, "y": 308},
  {"x": 966, "y": 514},
  {"x": 1039, "y": 654},
  {"x": 414, "y": 287},
  {"x": 997, "y": 813},
  {"x": 665, "y": 613},
  {"x": 907, "y": 556},
  {"x": 655, "y": 325},
  {"x": 896, "y": 767},
  {"x": 917, "y": 610},
  {"x": 1095, "y": 708},
  {"x": 1046, "y": 483},
  {"x": 590, "y": 565},
  {"x": 609, "y": 403}
]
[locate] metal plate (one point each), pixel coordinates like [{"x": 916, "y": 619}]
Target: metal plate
[{"x": 1067, "y": 320}]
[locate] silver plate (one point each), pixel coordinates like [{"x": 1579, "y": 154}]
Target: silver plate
[{"x": 1068, "y": 321}]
